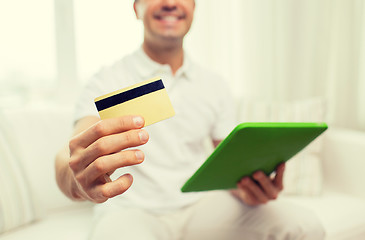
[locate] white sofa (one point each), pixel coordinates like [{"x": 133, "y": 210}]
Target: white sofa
[{"x": 38, "y": 132}]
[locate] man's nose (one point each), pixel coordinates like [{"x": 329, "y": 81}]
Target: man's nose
[{"x": 169, "y": 4}]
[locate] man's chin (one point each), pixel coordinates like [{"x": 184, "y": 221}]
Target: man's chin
[
  {"x": 172, "y": 33},
  {"x": 172, "y": 37},
  {"x": 167, "y": 37}
]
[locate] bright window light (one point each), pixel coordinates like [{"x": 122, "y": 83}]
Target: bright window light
[
  {"x": 105, "y": 32},
  {"x": 27, "y": 44}
]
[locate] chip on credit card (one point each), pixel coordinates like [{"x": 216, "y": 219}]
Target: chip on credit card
[{"x": 148, "y": 99}]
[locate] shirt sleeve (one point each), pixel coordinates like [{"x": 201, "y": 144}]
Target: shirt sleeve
[
  {"x": 85, "y": 105},
  {"x": 226, "y": 118}
]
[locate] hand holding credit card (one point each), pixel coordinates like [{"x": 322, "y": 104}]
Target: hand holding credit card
[{"x": 148, "y": 99}]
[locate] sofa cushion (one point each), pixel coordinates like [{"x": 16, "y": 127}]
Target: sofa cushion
[
  {"x": 342, "y": 215},
  {"x": 69, "y": 224},
  {"x": 16, "y": 201},
  {"x": 303, "y": 174},
  {"x": 344, "y": 164},
  {"x": 39, "y": 133}
]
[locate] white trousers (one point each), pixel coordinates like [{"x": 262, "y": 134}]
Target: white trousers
[{"x": 217, "y": 216}]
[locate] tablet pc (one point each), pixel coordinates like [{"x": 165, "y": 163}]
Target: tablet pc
[{"x": 251, "y": 147}]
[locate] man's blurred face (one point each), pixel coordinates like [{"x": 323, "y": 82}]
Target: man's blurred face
[{"x": 165, "y": 19}]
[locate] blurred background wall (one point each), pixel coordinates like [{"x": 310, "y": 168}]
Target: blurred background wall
[{"x": 269, "y": 50}]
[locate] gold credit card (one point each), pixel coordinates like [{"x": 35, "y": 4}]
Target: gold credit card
[{"x": 148, "y": 99}]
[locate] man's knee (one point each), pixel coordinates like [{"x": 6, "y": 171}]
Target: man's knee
[{"x": 304, "y": 226}]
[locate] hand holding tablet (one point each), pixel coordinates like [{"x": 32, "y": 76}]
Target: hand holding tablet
[{"x": 251, "y": 147}]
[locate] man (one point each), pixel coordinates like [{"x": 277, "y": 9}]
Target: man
[{"x": 95, "y": 164}]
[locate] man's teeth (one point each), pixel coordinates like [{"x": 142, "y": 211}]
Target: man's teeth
[{"x": 169, "y": 18}]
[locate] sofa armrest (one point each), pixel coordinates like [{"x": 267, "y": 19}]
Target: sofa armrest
[{"x": 344, "y": 161}]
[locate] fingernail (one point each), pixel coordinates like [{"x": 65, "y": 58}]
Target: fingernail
[
  {"x": 138, "y": 121},
  {"x": 257, "y": 175},
  {"x": 143, "y": 136},
  {"x": 139, "y": 155},
  {"x": 245, "y": 180},
  {"x": 130, "y": 178}
]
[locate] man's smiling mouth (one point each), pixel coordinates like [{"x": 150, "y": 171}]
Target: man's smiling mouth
[{"x": 169, "y": 17}]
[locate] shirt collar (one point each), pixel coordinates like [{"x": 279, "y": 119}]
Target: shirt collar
[{"x": 147, "y": 68}]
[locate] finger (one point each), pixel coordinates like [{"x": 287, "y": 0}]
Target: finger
[
  {"x": 116, "y": 187},
  {"x": 107, "y": 127},
  {"x": 246, "y": 195},
  {"x": 107, "y": 164},
  {"x": 234, "y": 192},
  {"x": 112, "y": 144},
  {"x": 255, "y": 190},
  {"x": 266, "y": 184},
  {"x": 106, "y": 189},
  {"x": 278, "y": 179}
]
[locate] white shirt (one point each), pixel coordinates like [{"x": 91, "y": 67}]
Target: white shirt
[{"x": 204, "y": 108}]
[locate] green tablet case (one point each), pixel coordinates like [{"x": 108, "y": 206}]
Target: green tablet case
[{"x": 251, "y": 147}]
